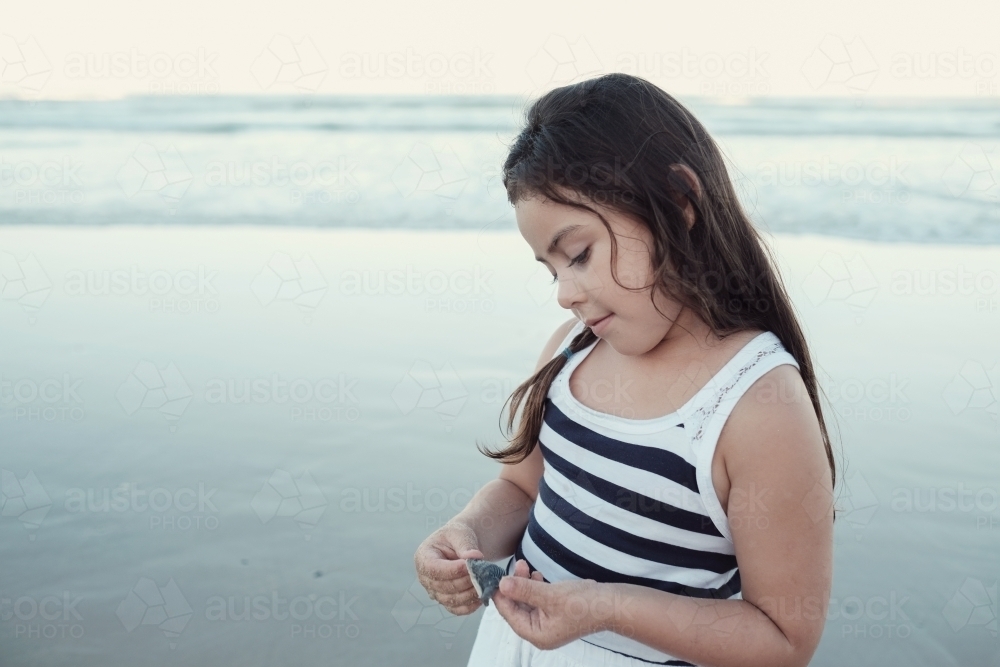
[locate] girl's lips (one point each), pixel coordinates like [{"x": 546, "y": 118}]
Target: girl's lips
[{"x": 600, "y": 325}]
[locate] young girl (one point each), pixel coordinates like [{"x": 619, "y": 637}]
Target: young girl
[{"x": 667, "y": 496}]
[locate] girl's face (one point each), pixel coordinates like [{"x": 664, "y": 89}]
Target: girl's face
[{"x": 574, "y": 245}]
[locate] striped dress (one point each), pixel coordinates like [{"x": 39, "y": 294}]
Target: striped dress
[{"x": 632, "y": 500}]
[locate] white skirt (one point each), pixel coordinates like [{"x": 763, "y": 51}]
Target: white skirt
[{"x": 497, "y": 645}]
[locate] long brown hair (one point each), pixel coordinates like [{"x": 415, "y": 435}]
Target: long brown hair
[{"x": 613, "y": 139}]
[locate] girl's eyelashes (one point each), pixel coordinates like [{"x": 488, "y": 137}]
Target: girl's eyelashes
[{"x": 579, "y": 259}]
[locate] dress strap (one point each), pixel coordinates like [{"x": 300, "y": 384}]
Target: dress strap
[
  {"x": 707, "y": 418},
  {"x": 757, "y": 357}
]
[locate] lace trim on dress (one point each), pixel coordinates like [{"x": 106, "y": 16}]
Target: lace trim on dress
[{"x": 705, "y": 412}]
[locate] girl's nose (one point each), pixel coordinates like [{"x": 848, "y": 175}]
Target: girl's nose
[{"x": 569, "y": 293}]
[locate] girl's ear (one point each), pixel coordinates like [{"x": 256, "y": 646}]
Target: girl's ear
[{"x": 688, "y": 183}]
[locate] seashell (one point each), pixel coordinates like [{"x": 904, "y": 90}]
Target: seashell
[{"x": 485, "y": 577}]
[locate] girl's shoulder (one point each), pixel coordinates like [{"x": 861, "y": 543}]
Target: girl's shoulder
[
  {"x": 756, "y": 340},
  {"x": 735, "y": 349},
  {"x": 743, "y": 336},
  {"x": 767, "y": 385},
  {"x": 759, "y": 371}
]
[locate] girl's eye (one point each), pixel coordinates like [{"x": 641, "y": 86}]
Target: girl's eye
[{"x": 579, "y": 259}]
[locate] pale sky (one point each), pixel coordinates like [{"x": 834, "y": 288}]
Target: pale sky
[{"x": 112, "y": 48}]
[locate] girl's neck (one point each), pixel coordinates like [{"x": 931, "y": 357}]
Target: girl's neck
[{"x": 688, "y": 331}]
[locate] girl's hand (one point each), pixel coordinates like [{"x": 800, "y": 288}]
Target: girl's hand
[
  {"x": 548, "y": 615},
  {"x": 440, "y": 563}
]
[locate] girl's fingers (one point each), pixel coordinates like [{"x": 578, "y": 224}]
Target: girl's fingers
[
  {"x": 451, "y": 586},
  {"x": 465, "y": 609},
  {"x": 515, "y": 613},
  {"x": 450, "y": 600},
  {"x": 503, "y": 604},
  {"x": 530, "y": 593},
  {"x": 442, "y": 569}
]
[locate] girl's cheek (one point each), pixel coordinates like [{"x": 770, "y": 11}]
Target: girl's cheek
[{"x": 592, "y": 280}]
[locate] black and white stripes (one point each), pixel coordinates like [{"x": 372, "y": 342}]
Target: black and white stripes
[{"x": 625, "y": 501}]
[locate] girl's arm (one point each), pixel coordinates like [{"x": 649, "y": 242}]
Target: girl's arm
[
  {"x": 489, "y": 526},
  {"x": 498, "y": 513},
  {"x": 779, "y": 505}
]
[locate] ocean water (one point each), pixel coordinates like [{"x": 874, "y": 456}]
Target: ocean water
[
  {"x": 889, "y": 171},
  {"x": 249, "y": 346}
]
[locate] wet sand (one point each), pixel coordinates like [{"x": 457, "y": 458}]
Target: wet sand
[{"x": 222, "y": 445}]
